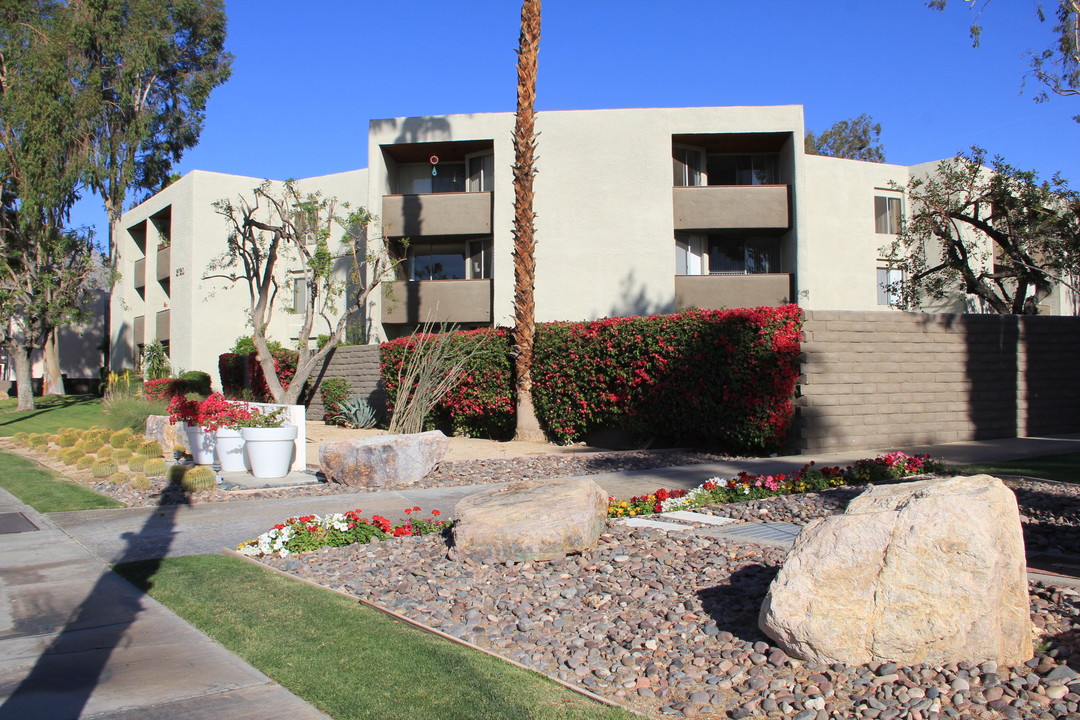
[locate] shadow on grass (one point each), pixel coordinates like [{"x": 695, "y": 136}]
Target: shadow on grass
[
  {"x": 70, "y": 668},
  {"x": 46, "y": 405}
]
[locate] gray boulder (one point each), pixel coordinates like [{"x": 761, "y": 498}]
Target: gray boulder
[
  {"x": 170, "y": 437},
  {"x": 383, "y": 461},
  {"x": 530, "y": 520},
  {"x": 931, "y": 571}
]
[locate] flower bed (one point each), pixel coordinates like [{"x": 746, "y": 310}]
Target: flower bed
[
  {"x": 312, "y": 532},
  {"x": 744, "y": 486}
]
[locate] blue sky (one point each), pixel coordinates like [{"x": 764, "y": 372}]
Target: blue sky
[{"x": 309, "y": 76}]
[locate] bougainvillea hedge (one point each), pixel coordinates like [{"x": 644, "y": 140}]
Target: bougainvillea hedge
[
  {"x": 722, "y": 378},
  {"x": 478, "y": 406},
  {"x": 242, "y": 376}
]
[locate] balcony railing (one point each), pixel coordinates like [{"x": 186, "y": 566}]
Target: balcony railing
[
  {"x": 713, "y": 292},
  {"x": 164, "y": 263},
  {"x": 456, "y": 301},
  {"x": 139, "y": 330},
  {"x": 140, "y": 274},
  {"x": 162, "y": 325},
  {"x": 717, "y": 207},
  {"x": 466, "y": 213}
]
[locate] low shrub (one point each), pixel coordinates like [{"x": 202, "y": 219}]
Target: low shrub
[
  {"x": 745, "y": 486},
  {"x": 132, "y": 412},
  {"x": 198, "y": 381},
  {"x": 312, "y": 532},
  {"x": 333, "y": 391}
]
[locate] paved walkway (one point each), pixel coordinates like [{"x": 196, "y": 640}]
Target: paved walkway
[{"x": 77, "y": 641}]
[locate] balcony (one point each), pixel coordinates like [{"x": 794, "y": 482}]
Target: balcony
[
  {"x": 714, "y": 207},
  {"x": 442, "y": 301},
  {"x": 162, "y": 325},
  {"x": 140, "y": 275},
  {"x": 164, "y": 263},
  {"x": 139, "y": 330},
  {"x": 713, "y": 292},
  {"x": 465, "y": 213}
]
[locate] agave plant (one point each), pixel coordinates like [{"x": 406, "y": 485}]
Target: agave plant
[{"x": 354, "y": 413}]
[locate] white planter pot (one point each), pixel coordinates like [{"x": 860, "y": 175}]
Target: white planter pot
[
  {"x": 269, "y": 451},
  {"x": 230, "y": 450},
  {"x": 201, "y": 444}
]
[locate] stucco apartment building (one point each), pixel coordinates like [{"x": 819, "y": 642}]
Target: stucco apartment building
[{"x": 638, "y": 211}]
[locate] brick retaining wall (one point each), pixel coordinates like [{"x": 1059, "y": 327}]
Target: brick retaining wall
[
  {"x": 890, "y": 379},
  {"x": 359, "y": 364}
]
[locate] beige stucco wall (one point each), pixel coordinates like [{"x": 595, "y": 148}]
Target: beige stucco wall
[
  {"x": 207, "y": 314},
  {"x": 603, "y": 199}
]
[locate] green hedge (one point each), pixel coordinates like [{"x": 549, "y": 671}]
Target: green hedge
[{"x": 723, "y": 378}]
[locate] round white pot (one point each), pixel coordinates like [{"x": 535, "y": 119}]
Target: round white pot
[
  {"x": 269, "y": 451},
  {"x": 230, "y": 450},
  {"x": 201, "y": 444}
]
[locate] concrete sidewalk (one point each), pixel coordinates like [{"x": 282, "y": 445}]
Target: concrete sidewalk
[{"x": 79, "y": 641}]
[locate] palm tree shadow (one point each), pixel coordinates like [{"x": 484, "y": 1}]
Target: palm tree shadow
[{"x": 70, "y": 668}]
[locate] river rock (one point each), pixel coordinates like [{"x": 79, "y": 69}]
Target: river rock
[
  {"x": 530, "y": 520},
  {"x": 170, "y": 437},
  {"x": 383, "y": 461},
  {"x": 931, "y": 571}
]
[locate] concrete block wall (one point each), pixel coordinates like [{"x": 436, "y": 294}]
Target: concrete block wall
[
  {"x": 890, "y": 379},
  {"x": 359, "y": 364}
]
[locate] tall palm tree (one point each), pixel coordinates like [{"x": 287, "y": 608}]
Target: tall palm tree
[{"x": 528, "y": 427}]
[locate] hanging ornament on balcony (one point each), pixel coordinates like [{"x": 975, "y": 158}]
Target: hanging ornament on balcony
[{"x": 434, "y": 160}]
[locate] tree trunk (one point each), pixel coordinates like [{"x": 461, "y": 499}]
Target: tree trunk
[
  {"x": 20, "y": 356},
  {"x": 52, "y": 378},
  {"x": 528, "y": 426}
]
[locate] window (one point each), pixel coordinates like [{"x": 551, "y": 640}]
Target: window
[
  {"x": 726, "y": 255},
  {"x": 757, "y": 169},
  {"x": 447, "y": 259},
  {"x": 481, "y": 172},
  {"x": 890, "y": 283},
  {"x": 417, "y": 178},
  {"x": 299, "y": 294},
  {"x": 887, "y": 214},
  {"x": 687, "y": 166}
]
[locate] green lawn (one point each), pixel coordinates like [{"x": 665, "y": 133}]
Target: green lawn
[
  {"x": 46, "y": 491},
  {"x": 348, "y": 660},
  {"x": 50, "y": 414},
  {"x": 1063, "y": 468}
]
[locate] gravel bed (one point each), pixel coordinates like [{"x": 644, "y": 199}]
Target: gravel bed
[
  {"x": 667, "y": 623},
  {"x": 448, "y": 473}
]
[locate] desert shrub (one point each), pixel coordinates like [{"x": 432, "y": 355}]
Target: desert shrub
[
  {"x": 131, "y": 412},
  {"x": 334, "y": 391}
]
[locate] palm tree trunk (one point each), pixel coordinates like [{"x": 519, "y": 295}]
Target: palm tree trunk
[{"x": 528, "y": 427}]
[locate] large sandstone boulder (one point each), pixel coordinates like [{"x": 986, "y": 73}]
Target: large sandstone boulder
[
  {"x": 530, "y": 520},
  {"x": 170, "y": 437},
  {"x": 383, "y": 461},
  {"x": 931, "y": 571}
]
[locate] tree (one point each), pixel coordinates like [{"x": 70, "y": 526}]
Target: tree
[
  {"x": 150, "y": 66},
  {"x": 44, "y": 267},
  {"x": 857, "y": 139},
  {"x": 524, "y": 330},
  {"x": 996, "y": 233},
  {"x": 279, "y": 231},
  {"x": 1058, "y": 66}
]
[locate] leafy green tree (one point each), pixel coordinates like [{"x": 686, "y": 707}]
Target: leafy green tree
[
  {"x": 284, "y": 232},
  {"x": 44, "y": 267},
  {"x": 149, "y": 67},
  {"x": 856, "y": 139},
  {"x": 1057, "y": 67},
  {"x": 997, "y": 233}
]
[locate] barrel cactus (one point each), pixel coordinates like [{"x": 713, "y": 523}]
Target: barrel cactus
[
  {"x": 149, "y": 448},
  {"x": 137, "y": 463},
  {"x": 154, "y": 467},
  {"x": 118, "y": 478},
  {"x": 85, "y": 462},
  {"x": 199, "y": 478},
  {"x": 103, "y": 468}
]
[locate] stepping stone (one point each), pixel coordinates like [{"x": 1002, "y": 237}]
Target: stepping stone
[
  {"x": 688, "y": 516},
  {"x": 643, "y": 522}
]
